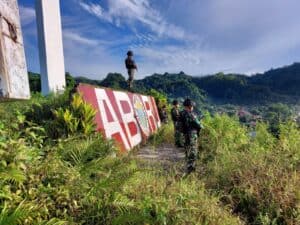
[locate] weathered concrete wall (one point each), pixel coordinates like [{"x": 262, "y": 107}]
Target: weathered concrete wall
[
  {"x": 13, "y": 70},
  {"x": 50, "y": 46}
]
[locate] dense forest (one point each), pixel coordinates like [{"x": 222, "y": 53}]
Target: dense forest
[{"x": 275, "y": 85}]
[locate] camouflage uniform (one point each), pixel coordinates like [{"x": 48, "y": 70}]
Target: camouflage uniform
[
  {"x": 177, "y": 127},
  {"x": 130, "y": 77},
  {"x": 131, "y": 68},
  {"x": 191, "y": 128}
]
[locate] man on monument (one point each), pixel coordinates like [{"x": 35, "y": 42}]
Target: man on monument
[
  {"x": 191, "y": 128},
  {"x": 131, "y": 67}
]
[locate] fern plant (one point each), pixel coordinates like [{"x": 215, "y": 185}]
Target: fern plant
[{"x": 16, "y": 216}]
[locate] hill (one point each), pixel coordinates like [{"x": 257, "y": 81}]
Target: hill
[
  {"x": 275, "y": 85},
  {"x": 285, "y": 80}
]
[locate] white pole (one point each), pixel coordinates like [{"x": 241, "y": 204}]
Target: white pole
[{"x": 50, "y": 46}]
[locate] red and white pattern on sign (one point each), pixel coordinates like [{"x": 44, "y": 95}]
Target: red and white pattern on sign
[{"x": 126, "y": 117}]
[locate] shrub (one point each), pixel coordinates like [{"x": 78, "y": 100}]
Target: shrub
[
  {"x": 256, "y": 177},
  {"x": 160, "y": 98},
  {"x": 155, "y": 197},
  {"x": 84, "y": 150},
  {"x": 73, "y": 180},
  {"x": 79, "y": 117},
  {"x": 222, "y": 135}
]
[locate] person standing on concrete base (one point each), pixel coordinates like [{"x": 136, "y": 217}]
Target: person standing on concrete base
[
  {"x": 175, "y": 114},
  {"x": 131, "y": 68},
  {"x": 191, "y": 127}
]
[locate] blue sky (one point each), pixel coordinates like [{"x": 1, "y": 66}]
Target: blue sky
[{"x": 195, "y": 36}]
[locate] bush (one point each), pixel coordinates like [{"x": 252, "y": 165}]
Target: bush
[
  {"x": 160, "y": 198},
  {"x": 160, "y": 98},
  {"x": 74, "y": 179},
  {"x": 78, "y": 118},
  {"x": 256, "y": 177},
  {"x": 79, "y": 152}
]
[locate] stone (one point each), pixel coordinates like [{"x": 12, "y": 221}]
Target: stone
[{"x": 14, "y": 82}]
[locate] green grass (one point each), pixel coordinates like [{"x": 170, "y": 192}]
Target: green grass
[
  {"x": 76, "y": 179},
  {"x": 258, "y": 178}
]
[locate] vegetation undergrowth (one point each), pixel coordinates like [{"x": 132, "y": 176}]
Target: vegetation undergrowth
[
  {"x": 163, "y": 135},
  {"x": 55, "y": 172},
  {"x": 258, "y": 177}
]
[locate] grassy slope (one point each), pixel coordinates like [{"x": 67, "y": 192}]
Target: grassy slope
[{"x": 75, "y": 179}]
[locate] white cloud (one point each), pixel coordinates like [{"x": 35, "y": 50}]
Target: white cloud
[
  {"x": 73, "y": 36},
  {"x": 92, "y": 61},
  {"x": 27, "y": 15},
  {"x": 96, "y": 10},
  {"x": 197, "y": 37},
  {"x": 132, "y": 11}
]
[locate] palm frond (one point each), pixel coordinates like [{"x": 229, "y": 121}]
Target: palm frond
[{"x": 15, "y": 217}]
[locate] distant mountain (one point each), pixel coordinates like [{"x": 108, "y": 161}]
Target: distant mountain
[
  {"x": 285, "y": 80},
  {"x": 173, "y": 85},
  {"x": 275, "y": 85}
]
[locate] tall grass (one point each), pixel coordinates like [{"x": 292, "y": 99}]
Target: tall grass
[
  {"x": 165, "y": 134},
  {"x": 74, "y": 179},
  {"x": 257, "y": 177}
]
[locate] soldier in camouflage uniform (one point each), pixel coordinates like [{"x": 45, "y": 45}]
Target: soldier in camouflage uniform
[
  {"x": 131, "y": 68},
  {"x": 175, "y": 114},
  {"x": 191, "y": 128}
]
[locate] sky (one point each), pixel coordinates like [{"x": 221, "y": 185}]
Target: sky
[{"x": 198, "y": 37}]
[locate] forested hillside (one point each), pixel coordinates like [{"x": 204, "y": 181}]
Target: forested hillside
[{"x": 275, "y": 85}]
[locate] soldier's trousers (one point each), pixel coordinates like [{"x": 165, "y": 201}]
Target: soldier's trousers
[
  {"x": 191, "y": 151},
  {"x": 130, "y": 77}
]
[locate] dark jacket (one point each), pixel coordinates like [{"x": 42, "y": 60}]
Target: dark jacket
[{"x": 130, "y": 64}]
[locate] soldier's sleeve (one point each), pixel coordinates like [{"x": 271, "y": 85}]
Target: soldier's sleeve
[{"x": 196, "y": 122}]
